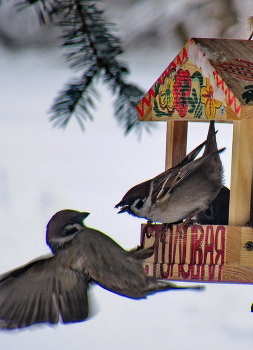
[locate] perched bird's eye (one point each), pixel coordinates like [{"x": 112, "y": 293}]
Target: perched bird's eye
[{"x": 139, "y": 204}]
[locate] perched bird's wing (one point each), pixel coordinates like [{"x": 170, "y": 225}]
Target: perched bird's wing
[
  {"x": 167, "y": 179},
  {"x": 42, "y": 291},
  {"x": 190, "y": 156},
  {"x": 166, "y": 182},
  {"x": 141, "y": 190}
]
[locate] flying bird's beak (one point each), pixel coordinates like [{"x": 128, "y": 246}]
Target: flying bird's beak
[{"x": 81, "y": 216}]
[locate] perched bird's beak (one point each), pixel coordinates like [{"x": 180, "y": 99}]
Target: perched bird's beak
[{"x": 123, "y": 209}]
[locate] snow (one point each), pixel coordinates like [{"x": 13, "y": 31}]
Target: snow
[
  {"x": 200, "y": 57},
  {"x": 43, "y": 170}
]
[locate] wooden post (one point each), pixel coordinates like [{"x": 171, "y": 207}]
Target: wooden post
[
  {"x": 241, "y": 172},
  {"x": 176, "y": 142}
]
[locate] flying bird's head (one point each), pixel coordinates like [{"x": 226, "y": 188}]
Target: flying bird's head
[{"x": 63, "y": 227}]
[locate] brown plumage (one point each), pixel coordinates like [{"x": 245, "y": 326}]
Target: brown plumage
[
  {"x": 55, "y": 288},
  {"x": 179, "y": 192}
]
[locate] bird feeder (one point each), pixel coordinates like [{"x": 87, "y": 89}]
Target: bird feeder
[{"x": 210, "y": 79}]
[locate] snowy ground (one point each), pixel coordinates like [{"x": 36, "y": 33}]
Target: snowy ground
[{"x": 43, "y": 170}]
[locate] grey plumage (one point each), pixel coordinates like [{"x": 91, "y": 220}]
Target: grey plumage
[
  {"x": 56, "y": 287},
  {"x": 179, "y": 192}
]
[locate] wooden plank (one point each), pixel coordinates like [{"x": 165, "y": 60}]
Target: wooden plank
[
  {"x": 232, "y": 59},
  {"x": 176, "y": 142},
  {"x": 207, "y": 253},
  {"x": 246, "y": 257},
  {"x": 241, "y": 172}
]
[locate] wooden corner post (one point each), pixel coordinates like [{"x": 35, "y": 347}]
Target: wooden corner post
[
  {"x": 176, "y": 142},
  {"x": 241, "y": 172}
]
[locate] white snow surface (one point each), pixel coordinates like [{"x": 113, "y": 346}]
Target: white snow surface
[{"x": 43, "y": 170}]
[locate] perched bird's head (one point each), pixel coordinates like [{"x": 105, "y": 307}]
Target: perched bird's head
[
  {"x": 63, "y": 227},
  {"x": 134, "y": 200}
]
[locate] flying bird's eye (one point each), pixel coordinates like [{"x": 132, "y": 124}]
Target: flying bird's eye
[
  {"x": 139, "y": 204},
  {"x": 70, "y": 230}
]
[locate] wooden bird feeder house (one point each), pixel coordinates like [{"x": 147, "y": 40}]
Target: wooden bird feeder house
[{"x": 208, "y": 79}]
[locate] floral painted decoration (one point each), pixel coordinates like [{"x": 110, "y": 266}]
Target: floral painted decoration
[
  {"x": 207, "y": 99},
  {"x": 181, "y": 91},
  {"x": 178, "y": 93}
]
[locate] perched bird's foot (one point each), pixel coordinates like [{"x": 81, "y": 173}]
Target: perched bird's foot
[
  {"x": 149, "y": 223},
  {"x": 189, "y": 221},
  {"x": 160, "y": 236},
  {"x": 192, "y": 222},
  {"x": 166, "y": 226},
  {"x": 148, "y": 229},
  {"x": 163, "y": 232},
  {"x": 180, "y": 229}
]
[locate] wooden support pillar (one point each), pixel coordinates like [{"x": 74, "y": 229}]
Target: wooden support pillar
[
  {"x": 176, "y": 142},
  {"x": 241, "y": 172}
]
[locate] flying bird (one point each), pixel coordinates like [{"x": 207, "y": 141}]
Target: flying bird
[
  {"x": 182, "y": 191},
  {"x": 55, "y": 288}
]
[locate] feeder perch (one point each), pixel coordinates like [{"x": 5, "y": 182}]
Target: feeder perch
[{"x": 208, "y": 79}]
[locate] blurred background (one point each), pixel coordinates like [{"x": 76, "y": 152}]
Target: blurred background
[{"x": 45, "y": 169}]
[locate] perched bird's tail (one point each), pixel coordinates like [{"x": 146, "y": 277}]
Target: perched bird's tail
[
  {"x": 212, "y": 148},
  {"x": 211, "y": 143}
]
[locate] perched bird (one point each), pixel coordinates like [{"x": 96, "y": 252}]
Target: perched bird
[
  {"x": 56, "y": 287},
  {"x": 181, "y": 191},
  {"x": 217, "y": 212}
]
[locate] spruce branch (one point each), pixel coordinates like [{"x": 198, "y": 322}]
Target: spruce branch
[
  {"x": 91, "y": 47},
  {"x": 125, "y": 109}
]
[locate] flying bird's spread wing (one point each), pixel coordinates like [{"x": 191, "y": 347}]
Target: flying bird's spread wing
[
  {"x": 55, "y": 288},
  {"x": 42, "y": 291}
]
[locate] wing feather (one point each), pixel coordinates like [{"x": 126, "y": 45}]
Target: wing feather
[
  {"x": 164, "y": 184},
  {"x": 42, "y": 291}
]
